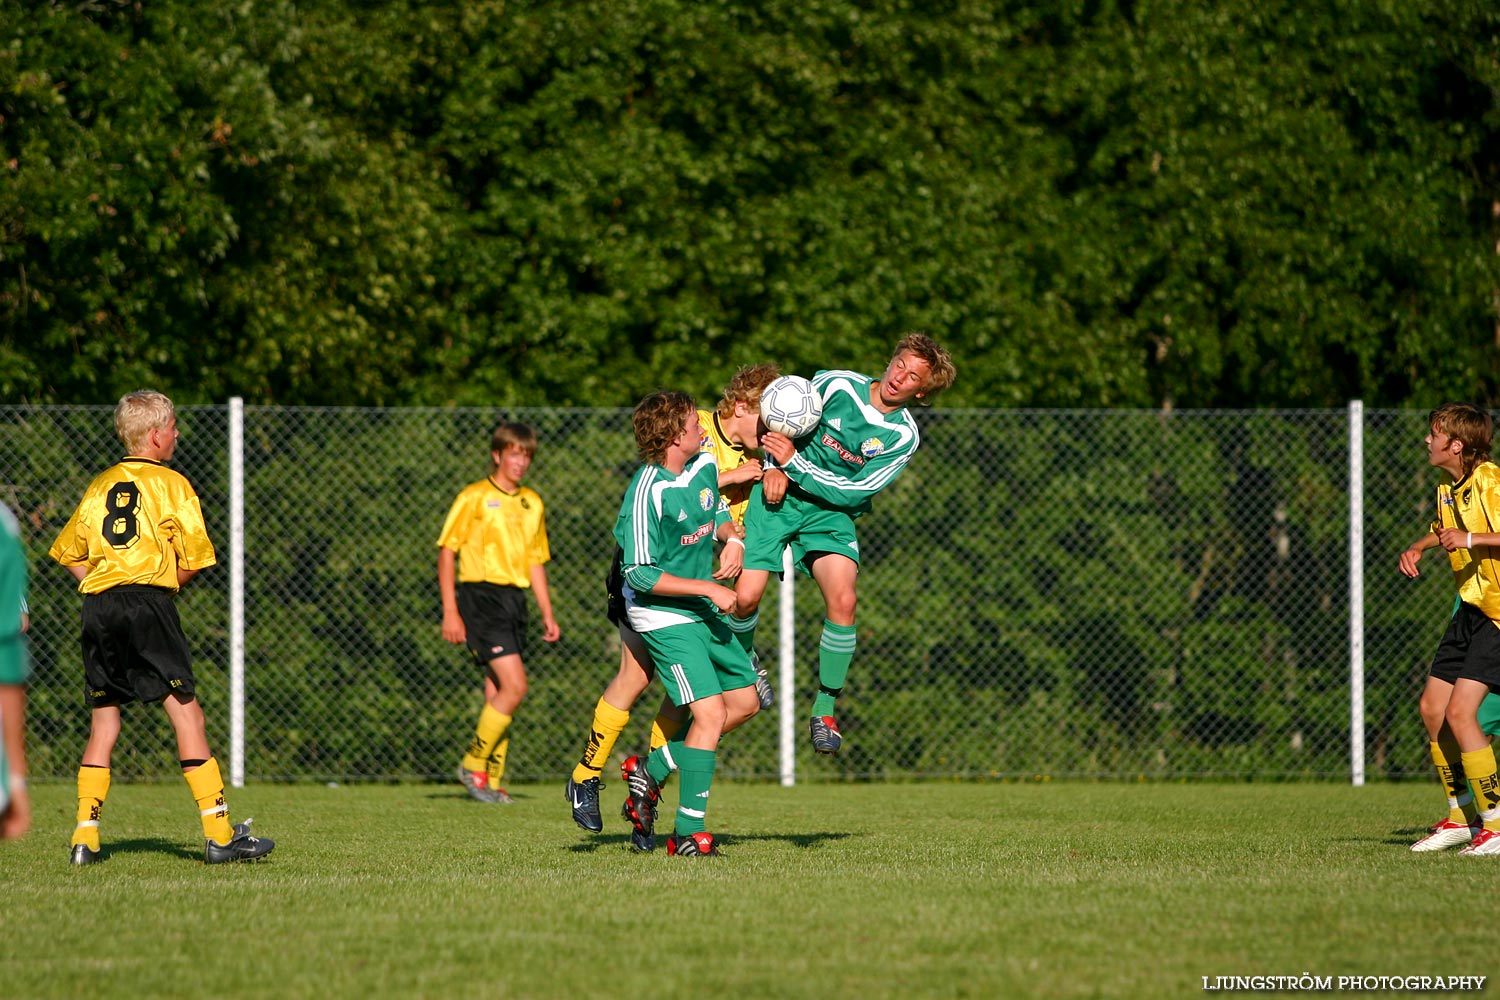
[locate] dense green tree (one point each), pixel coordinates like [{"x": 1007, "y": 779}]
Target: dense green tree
[{"x": 1095, "y": 203}]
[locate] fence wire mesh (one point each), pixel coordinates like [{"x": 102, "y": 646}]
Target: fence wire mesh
[{"x": 1102, "y": 593}]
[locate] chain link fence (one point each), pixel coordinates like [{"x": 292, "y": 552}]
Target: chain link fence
[{"x": 1063, "y": 593}]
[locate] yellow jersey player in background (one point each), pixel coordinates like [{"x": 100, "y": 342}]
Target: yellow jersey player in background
[
  {"x": 135, "y": 539},
  {"x": 496, "y": 533},
  {"x": 727, "y": 432},
  {"x": 1467, "y": 663}
]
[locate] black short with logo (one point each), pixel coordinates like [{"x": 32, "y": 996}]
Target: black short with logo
[
  {"x": 494, "y": 617},
  {"x": 133, "y": 647}
]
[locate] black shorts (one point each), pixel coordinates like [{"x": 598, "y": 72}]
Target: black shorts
[
  {"x": 133, "y": 647},
  {"x": 494, "y": 617},
  {"x": 614, "y": 588},
  {"x": 1470, "y": 648}
]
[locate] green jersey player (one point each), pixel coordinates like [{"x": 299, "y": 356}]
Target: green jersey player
[
  {"x": 822, "y": 483},
  {"x": 668, "y": 521},
  {"x": 15, "y": 802}
]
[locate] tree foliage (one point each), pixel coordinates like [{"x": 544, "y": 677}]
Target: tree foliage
[{"x": 519, "y": 203}]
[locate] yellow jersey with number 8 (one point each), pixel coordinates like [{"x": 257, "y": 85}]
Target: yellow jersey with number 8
[{"x": 138, "y": 522}]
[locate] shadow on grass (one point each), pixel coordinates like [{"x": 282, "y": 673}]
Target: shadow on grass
[
  {"x": 615, "y": 841},
  {"x": 149, "y": 845},
  {"x": 457, "y": 792}
]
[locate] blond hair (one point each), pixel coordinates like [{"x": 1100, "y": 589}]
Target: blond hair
[
  {"x": 940, "y": 374},
  {"x": 745, "y": 387},
  {"x": 139, "y": 413}
]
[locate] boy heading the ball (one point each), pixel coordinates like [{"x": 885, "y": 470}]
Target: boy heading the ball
[
  {"x": 135, "y": 539},
  {"x": 492, "y": 549},
  {"x": 820, "y": 484}
]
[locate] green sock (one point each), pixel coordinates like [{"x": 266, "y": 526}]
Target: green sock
[
  {"x": 663, "y": 761},
  {"x": 744, "y": 630},
  {"x": 697, "y": 770},
  {"x": 835, "y": 652}
]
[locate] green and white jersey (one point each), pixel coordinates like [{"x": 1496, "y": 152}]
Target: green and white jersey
[
  {"x": 856, "y": 451},
  {"x": 667, "y": 525},
  {"x": 14, "y": 665}
]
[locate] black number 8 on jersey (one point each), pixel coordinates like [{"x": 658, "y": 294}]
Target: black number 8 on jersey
[{"x": 121, "y": 522}]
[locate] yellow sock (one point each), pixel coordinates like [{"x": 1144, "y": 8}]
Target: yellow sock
[
  {"x": 1455, "y": 785},
  {"x": 492, "y": 726},
  {"x": 497, "y": 763},
  {"x": 93, "y": 788},
  {"x": 207, "y": 786},
  {"x": 1479, "y": 765},
  {"x": 663, "y": 729},
  {"x": 608, "y": 723}
]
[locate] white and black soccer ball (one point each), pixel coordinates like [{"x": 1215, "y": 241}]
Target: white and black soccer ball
[{"x": 790, "y": 406}]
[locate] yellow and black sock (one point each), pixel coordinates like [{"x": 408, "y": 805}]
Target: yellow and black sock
[
  {"x": 608, "y": 723},
  {"x": 1447, "y": 758},
  {"x": 496, "y": 762},
  {"x": 664, "y": 729},
  {"x": 207, "y": 786},
  {"x": 1479, "y": 765},
  {"x": 491, "y": 728},
  {"x": 93, "y": 788}
]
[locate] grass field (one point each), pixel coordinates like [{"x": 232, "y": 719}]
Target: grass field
[{"x": 942, "y": 889}]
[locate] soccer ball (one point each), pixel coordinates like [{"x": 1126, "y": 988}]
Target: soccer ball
[{"x": 790, "y": 406}]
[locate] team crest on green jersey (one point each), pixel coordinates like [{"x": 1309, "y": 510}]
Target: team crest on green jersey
[
  {"x": 870, "y": 447},
  {"x": 706, "y": 499}
]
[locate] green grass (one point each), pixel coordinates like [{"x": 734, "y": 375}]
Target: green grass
[{"x": 957, "y": 890}]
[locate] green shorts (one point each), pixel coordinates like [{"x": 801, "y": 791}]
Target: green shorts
[
  {"x": 809, "y": 529},
  {"x": 1489, "y": 714},
  {"x": 698, "y": 660}
]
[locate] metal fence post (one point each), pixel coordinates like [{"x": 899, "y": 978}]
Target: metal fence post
[
  {"x": 1356, "y": 592},
  {"x": 787, "y": 640},
  {"x": 237, "y": 592}
]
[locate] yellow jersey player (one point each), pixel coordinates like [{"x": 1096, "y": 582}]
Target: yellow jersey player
[
  {"x": 135, "y": 539},
  {"x": 1467, "y": 663},
  {"x": 726, "y": 433},
  {"x": 496, "y": 534}
]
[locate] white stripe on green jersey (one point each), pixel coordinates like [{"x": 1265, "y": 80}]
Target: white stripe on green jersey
[
  {"x": 857, "y": 451},
  {"x": 667, "y": 524}
]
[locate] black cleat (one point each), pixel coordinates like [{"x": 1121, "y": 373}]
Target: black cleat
[
  {"x": 825, "y": 734},
  {"x": 644, "y": 793},
  {"x": 584, "y": 797},
  {"x": 763, "y": 689},
  {"x": 81, "y": 855},
  {"x": 242, "y": 847},
  {"x": 693, "y": 845}
]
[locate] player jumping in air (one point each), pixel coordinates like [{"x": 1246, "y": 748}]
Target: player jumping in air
[{"x": 820, "y": 485}]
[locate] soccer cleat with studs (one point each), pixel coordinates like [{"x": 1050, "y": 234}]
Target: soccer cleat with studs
[
  {"x": 1485, "y": 842},
  {"x": 825, "y": 734},
  {"x": 243, "y": 847},
  {"x": 82, "y": 854},
  {"x": 644, "y": 793},
  {"x": 763, "y": 689},
  {"x": 1445, "y": 835},
  {"x": 693, "y": 845},
  {"x": 584, "y": 797},
  {"x": 477, "y": 783}
]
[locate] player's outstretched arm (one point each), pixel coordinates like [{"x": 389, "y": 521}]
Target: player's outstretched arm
[{"x": 1413, "y": 554}]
